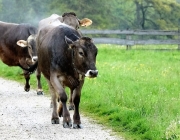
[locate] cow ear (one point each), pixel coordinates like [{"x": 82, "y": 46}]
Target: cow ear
[
  {"x": 22, "y": 43},
  {"x": 68, "y": 41},
  {"x": 85, "y": 22}
]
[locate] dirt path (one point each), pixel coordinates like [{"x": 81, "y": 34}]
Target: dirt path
[{"x": 26, "y": 116}]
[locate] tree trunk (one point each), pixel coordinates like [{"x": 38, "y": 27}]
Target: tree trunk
[{"x": 138, "y": 18}]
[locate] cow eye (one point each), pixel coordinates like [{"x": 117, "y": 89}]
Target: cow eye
[{"x": 81, "y": 53}]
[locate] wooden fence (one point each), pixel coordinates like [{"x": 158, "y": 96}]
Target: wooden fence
[{"x": 130, "y": 38}]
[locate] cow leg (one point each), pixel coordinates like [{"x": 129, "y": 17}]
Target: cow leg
[
  {"x": 71, "y": 105},
  {"x": 60, "y": 110},
  {"x": 63, "y": 98},
  {"x": 38, "y": 77},
  {"x": 27, "y": 78},
  {"x": 55, "y": 117},
  {"x": 76, "y": 100}
]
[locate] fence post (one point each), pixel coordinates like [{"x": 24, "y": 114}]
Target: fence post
[
  {"x": 128, "y": 47},
  {"x": 128, "y": 37},
  {"x": 178, "y": 38}
]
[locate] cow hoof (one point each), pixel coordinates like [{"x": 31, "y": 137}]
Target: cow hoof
[
  {"x": 77, "y": 126},
  {"x": 40, "y": 93},
  {"x": 27, "y": 89},
  {"x": 55, "y": 121},
  {"x": 67, "y": 124},
  {"x": 71, "y": 107}
]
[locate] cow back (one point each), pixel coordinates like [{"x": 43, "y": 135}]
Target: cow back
[
  {"x": 54, "y": 19},
  {"x": 10, "y": 52},
  {"x": 53, "y": 51}
]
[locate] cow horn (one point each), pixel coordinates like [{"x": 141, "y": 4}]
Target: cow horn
[
  {"x": 33, "y": 36},
  {"x": 76, "y": 36},
  {"x": 68, "y": 40},
  {"x": 22, "y": 43}
]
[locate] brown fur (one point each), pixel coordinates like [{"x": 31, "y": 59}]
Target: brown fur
[
  {"x": 63, "y": 66},
  {"x": 10, "y": 53},
  {"x": 70, "y": 19}
]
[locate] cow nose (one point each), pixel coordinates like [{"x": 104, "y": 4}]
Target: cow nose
[
  {"x": 35, "y": 58},
  {"x": 92, "y": 73}
]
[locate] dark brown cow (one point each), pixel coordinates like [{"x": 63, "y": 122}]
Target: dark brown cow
[
  {"x": 55, "y": 20},
  {"x": 65, "y": 59},
  {"x": 14, "y": 50}
]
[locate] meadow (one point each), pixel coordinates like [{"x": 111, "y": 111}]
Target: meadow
[{"x": 136, "y": 93}]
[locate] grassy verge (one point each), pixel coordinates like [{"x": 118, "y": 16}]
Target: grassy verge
[{"x": 136, "y": 93}]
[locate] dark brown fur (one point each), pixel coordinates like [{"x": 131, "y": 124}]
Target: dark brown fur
[
  {"x": 64, "y": 58},
  {"x": 70, "y": 19}
]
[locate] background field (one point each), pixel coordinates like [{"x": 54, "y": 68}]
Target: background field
[{"x": 136, "y": 93}]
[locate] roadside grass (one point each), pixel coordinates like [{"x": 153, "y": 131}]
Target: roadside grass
[{"x": 136, "y": 93}]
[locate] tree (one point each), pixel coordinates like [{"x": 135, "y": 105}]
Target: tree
[
  {"x": 100, "y": 12},
  {"x": 123, "y": 14},
  {"x": 113, "y": 14},
  {"x": 157, "y": 14}
]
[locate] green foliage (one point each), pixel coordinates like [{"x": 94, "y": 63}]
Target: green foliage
[
  {"x": 157, "y": 14},
  {"x": 114, "y": 14},
  {"x": 98, "y": 11}
]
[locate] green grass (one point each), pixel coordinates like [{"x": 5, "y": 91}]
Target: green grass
[{"x": 136, "y": 93}]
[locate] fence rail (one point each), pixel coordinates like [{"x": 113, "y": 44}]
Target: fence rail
[
  {"x": 130, "y": 35},
  {"x": 134, "y": 42},
  {"x": 132, "y": 32}
]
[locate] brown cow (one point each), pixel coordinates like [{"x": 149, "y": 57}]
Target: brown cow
[
  {"x": 67, "y": 18},
  {"x": 10, "y": 51},
  {"x": 55, "y": 20},
  {"x": 65, "y": 59}
]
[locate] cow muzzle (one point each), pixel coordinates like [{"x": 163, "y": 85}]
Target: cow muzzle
[
  {"x": 91, "y": 73},
  {"x": 34, "y": 59}
]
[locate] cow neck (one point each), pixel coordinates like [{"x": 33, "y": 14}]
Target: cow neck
[
  {"x": 80, "y": 74},
  {"x": 29, "y": 70}
]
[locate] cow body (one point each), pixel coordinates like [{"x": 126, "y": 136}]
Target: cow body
[
  {"x": 11, "y": 53},
  {"x": 65, "y": 58},
  {"x": 67, "y": 18},
  {"x": 54, "y": 20}
]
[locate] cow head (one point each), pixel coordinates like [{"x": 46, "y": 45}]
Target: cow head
[
  {"x": 31, "y": 45},
  {"x": 83, "y": 56},
  {"x": 71, "y": 20}
]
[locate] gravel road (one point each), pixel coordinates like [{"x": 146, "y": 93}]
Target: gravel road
[{"x": 26, "y": 116}]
